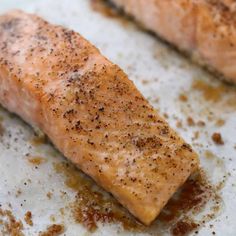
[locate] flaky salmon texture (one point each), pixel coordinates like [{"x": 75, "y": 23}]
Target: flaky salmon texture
[
  {"x": 56, "y": 80},
  {"x": 205, "y": 29}
]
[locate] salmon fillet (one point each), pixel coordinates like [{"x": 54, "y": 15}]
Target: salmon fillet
[
  {"x": 205, "y": 29},
  {"x": 57, "y": 81}
]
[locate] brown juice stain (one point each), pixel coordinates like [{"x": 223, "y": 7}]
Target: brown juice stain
[
  {"x": 1, "y": 129},
  {"x": 38, "y": 140},
  {"x": 209, "y": 155},
  {"x": 210, "y": 93},
  {"x": 91, "y": 206},
  {"x": 212, "y": 157},
  {"x": 209, "y": 100},
  {"x": 216, "y": 93},
  {"x": 36, "y": 160}
]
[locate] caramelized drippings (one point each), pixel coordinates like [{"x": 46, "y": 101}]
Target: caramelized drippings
[
  {"x": 9, "y": 224},
  {"x": 183, "y": 228},
  {"x": 28, "y": 218},
  {"x": 91, "y": 206},
  {"x": 193, "y": 196},
  {"x": 53, "y": 230},
  {"x": 217, "y": 138}
]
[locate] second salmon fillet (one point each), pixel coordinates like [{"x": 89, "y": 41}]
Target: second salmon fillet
[
  {"x": 56, "y": 80},
  {"x": 205, "y": 29}
]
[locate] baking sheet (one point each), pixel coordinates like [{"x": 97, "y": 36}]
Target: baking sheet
[{"x": 178, "y": 89}]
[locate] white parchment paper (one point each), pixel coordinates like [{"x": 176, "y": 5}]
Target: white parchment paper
[{"x": 162, "y": 75}]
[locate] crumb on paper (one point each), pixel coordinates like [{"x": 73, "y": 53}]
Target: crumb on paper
[
  {"x": 49, "y": 195},
  {"x": 18, "y": 193},
  {"x": 156, "y": 100},
  {"x": 144, "y": 81},
  {"x": 28, "y": 218},
  {"x": 195, "y": 135},
  {"x": 166, "y": 116},
  {"x": 190, "y": 121},
  {"x": 62, "y": 211},
  {"x": 179, "y": 124},
  {"x": 53, "y": 230},
  {"x": 201, "y": 123},
  {"x": 52, "y": 218},
  {"x": 217, "y": 138},
  {"x": 183, "y": 97}
]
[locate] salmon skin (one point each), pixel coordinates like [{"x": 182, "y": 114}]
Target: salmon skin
[
  {"x": 205, "y": 29},
  {"x": 57, "y": 81}
]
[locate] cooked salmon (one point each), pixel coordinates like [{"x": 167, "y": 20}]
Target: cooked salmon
[
  {"x": 57, "y": 81},
  {"x": 205, "y": 29}
]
